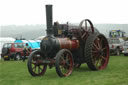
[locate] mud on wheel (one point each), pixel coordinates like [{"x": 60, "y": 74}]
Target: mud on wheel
[
  {"x": 64, "y": 63},
  {"x": 35, "y": 67},
  {"x": 97, "y": 51}
]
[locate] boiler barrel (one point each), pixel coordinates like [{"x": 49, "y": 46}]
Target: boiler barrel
[
  {"x": 66, "y": 43},
  {"x": 51, "y": 44}
]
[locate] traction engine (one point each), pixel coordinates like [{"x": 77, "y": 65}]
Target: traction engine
[{"x": 67, "y": 46}]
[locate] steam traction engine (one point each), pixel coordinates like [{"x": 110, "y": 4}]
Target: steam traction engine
[{"x": 67, "y": 46}]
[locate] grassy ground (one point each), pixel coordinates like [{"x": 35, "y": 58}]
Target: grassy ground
[{"x": 16, "y": 73}]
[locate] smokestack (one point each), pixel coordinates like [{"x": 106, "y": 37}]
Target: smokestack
[{"x": 49, "y": 20}]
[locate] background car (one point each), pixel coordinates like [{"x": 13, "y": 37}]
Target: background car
[
  {"x": 13, "y": 51},
  {"x": 125, "y": 49},
  {"x": 116, "y": 45}
]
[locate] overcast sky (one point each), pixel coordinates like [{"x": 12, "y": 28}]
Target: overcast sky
[{"x": 22, "y": 12}]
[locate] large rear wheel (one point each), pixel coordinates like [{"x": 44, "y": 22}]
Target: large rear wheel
[
  {"x": 35, "y": 66},
  {"x": 64, "y": 63},
  {"x": 97, "y": 51}
]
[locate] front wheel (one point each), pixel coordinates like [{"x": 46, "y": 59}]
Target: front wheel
[
  {"x": 64, "y": 63},
  {"x": 35, "y": 67}
]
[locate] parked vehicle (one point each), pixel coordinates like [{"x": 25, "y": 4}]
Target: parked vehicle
[
  {"x": 5, "y": 40},
  {"x": 13, "y": 51},
  {"x": 116, "y": 34},
  {"x": 116, "y": 45},
  {"x": 125, "y": 49},
  {"x": 34, "y": 44}
]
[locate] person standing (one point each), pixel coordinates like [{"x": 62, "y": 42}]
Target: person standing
[{"x": 25, "y": 50}]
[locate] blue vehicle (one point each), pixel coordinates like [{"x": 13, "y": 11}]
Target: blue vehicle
[{"x": 34, "y": 44}]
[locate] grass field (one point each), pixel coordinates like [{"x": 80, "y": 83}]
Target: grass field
[{"x": 16, "y": 73}]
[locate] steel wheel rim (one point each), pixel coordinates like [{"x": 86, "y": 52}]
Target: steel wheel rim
[
  {"x": 66, "y": 63},
  {"x": 100, "y": 52}
]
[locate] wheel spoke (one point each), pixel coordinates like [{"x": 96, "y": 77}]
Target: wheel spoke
[
  {"x": 34, "y": 57},
  {"x": 104, "y": 48},
  {"x": 95, "y": 52},
  {"x": 100, "y": 62},
  {"x": 34, "y": 68},
  {"x": 33, "y": 62},
  {"x": 95, "y": 58},
  {"x": 98, "y": 43},
  {"x": 63, "y": 69},
  {"x": 38, "y": 69},
  {"x": 41, "y": 68},
  {"x": 97, "y": 62},
  {"x": 67, "y": 57},
  {"x": 103, "y": 57},
  {"x": 95, "y": 46},
  {"x": 62, "y": 59}
]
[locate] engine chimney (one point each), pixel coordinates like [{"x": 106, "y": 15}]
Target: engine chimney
[{"x": 49, "y": 20}]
